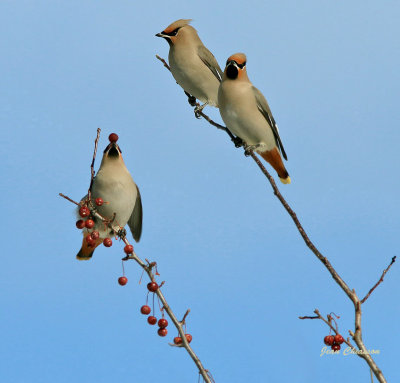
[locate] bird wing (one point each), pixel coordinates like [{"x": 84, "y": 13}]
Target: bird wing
[
  {"x": 136, "y": 218},
  {"x": 208, "y": 58},
  {"x": 263, "y": 107}
]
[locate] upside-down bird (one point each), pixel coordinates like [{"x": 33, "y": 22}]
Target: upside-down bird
[{"x": 115, "y": 186}]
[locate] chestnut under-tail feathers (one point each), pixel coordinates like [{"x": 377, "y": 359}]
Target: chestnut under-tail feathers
[
  {"x": 114, "y": 184},
  {"x": 246, "y": 114},
  {"x": 192, "y": 65}
]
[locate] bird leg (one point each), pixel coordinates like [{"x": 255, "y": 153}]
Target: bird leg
[
  {"x": 237, "y": 141},
  {"x": 191, "y": 99},
  {"x": 198, "y": 109}
]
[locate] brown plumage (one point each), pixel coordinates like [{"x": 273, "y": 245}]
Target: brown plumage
[{"x": 274, "y": 159}]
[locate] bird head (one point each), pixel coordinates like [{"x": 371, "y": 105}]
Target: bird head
[
  {"x": 112, "y": 152},
  {"x": 236, "y": 66},
  {"x": 175, "y": 31}
]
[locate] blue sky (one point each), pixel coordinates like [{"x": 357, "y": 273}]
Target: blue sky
[{"x": 224, "y": 245}]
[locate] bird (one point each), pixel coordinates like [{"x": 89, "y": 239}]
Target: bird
[
  {"x": 192, "y": 65},
  {"x": 115, "y": 186},
  {"x": 246, "y": 114}
]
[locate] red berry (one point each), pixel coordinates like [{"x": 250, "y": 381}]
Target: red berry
[
  {"x": 80, "y": 224},
  {"x": 162, "y": 323},
  {"x": 128, "y": 249},
  {"x": 152, "y": 286},
  {"x": 99, "y": 201},
  {"x": 339, "y": 339},
  {"x": 107, "y": 242},
  {"x": 90, "y": 241},
  {"x": 162, "y": 331},
  {"x": 188, "y": 337},
  {"x": 113, "y": 137},
  {"x": 84, "y": 211},
  {"x": 177, "y": 340},
  {"x": 328, "y": 340},
  {"x": 95, "y": 235},
  {"x": 152, "y": 320},
  {"x": 122, "y": 281},
  {"x": 335, "y": 347},
  {"x": 89, "y": 223},
  {"x": 145, "y": 310}
]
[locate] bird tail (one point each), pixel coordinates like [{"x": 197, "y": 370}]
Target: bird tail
[
  {"x": 274, "y": 158},
  {"x": 86, "y": 251}
]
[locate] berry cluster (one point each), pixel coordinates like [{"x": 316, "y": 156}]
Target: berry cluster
[
  {"x": 334, "y": 341},
  {"x": 162, "y": 322},
  {"x": 178, "y": 339},
  {"x": 92, "y": 237},
  {"x": 152, "y": 320}
]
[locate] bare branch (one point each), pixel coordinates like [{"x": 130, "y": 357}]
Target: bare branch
[
  {"x": 380, "y": 280},
  {"x": 178, "y": 324},
  {"x": 357, "y": 336}
]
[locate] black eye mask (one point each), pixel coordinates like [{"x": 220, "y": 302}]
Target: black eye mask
[{"x": 173, "y": 33}]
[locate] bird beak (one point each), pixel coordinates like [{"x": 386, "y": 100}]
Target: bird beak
[
  {"x": 232, "y": 62},
  {"x": 160, "y": 35},
  {"x": 112, "y": 150}
]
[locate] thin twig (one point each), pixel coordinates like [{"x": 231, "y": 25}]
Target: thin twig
[
  {"x": 308, "y": 317},
  {"x": 92, "y": 172},
  {"x": 69, "y": 199},
  {"x": 184, "y": 317},
  {"x": 164, "y": 62},
  {"x": 380, "y": 280}
]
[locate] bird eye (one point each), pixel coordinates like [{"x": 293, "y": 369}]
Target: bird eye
[
  {"x": 173, "y": 33},
  {"x": 241, "y": 66}
]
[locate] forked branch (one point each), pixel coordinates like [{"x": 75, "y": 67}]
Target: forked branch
[{"x": 357, "y": 335}]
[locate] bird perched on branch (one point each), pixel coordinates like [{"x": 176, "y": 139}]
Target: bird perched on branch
[
  {"x": 193, "y": 66},
  {"x": 114, "y": 185},
  {"x": 246, "y": 114}
]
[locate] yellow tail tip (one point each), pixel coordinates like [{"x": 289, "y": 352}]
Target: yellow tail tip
[
  {"x": 82, "y": 258},
  {"x": 286, "y": 180}
]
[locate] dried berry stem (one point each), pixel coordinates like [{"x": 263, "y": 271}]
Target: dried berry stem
[{"x": 329, "y": 323}]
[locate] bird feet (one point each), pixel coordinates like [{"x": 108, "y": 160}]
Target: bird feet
[
  {"x": 237, "y": 141},
  {"x": 191, "y": 99},
  {"x": 198, "y": 109},
  {"x": 121, "y": 233}
]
